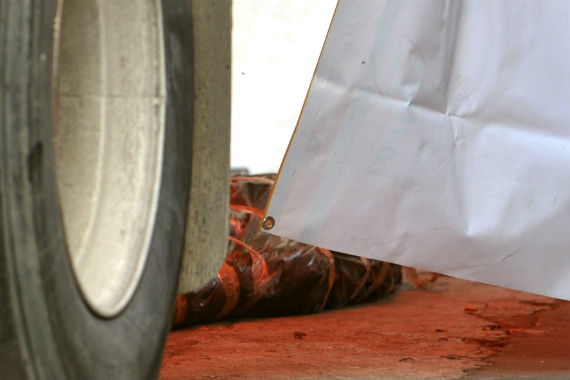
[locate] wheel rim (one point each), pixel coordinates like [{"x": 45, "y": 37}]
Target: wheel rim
[{"x": 109, "y": 104}]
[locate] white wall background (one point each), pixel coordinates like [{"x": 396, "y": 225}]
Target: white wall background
[{"x": 276, "y": 46}]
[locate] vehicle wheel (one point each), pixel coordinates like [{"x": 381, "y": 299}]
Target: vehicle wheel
[{"x": 95, "y": 147}]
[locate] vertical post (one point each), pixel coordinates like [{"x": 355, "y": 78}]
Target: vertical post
[{"x": 206, "y": 234}]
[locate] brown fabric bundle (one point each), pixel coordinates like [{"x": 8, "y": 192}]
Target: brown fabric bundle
[{"x": 264, "y": 275}]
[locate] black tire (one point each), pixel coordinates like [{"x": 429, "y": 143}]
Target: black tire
[{"x": 47, "y": 330}]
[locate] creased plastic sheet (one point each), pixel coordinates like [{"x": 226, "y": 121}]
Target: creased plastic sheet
[{"x": 437, "y": 134}]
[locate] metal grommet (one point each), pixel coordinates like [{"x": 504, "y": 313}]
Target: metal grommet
[{"x": 268, "y": 223}]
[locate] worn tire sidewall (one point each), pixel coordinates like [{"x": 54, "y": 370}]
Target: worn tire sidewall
[{"x": 42, "y": 287}]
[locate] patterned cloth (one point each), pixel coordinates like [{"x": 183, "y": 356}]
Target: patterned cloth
[{"x": 264, "y": 275}]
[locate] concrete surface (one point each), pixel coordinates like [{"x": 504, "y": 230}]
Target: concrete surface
[{"x": 454, "y": 329}]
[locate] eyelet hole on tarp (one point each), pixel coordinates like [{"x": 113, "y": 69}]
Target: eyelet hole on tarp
[{"x": 268, "y": 223}]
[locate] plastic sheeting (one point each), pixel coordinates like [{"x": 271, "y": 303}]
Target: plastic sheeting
[
  {"x": 437, "y": 135},
  {"x": 264, "y": 275}
]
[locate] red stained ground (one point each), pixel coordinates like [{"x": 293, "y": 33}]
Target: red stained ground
[{"x": 453, "y": 329}]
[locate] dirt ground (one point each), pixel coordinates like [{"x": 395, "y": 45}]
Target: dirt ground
[{"x": 454, "y": 329}]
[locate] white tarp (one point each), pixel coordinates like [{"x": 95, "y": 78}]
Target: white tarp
[{"x": 435, "y": 134}]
